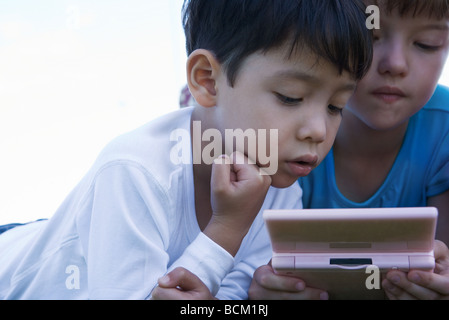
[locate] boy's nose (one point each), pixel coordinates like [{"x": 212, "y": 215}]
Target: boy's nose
[
  {"x": 393, "y": 60},
  {"x": 313, "y": 129}
]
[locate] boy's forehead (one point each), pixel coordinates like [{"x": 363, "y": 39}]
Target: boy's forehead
[
  {"x": 304, "y": 60},
  {"x": 298, "y": 65},
  {"x": 420, "y": 22},
  {"x": 430, "y": 9},
  {"x": 290, "y": 59}
]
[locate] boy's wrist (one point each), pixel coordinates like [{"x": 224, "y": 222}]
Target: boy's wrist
[{"x": 226, "y": 235}]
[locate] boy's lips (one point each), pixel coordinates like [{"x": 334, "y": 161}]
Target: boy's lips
[
  {"x": 303, "y": 166},
  {"x": 389, "y": 94}
]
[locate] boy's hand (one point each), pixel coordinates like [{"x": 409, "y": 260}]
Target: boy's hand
[
  {"x": 181, "y": 284},
  {"x": 267, "y": 285},
  {"x": 421, "y": 284},
  {"x": 238, "y": 190}
]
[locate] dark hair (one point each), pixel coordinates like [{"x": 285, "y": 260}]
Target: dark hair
[
  {"x": 234, "y": 29},
  {"x": 438, "y": 9}
]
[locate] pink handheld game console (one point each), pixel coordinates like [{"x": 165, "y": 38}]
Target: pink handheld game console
[{"x": 337, "y": 249}]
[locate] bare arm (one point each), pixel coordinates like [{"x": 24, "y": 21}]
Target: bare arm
[{"x": 233, "y": 183}]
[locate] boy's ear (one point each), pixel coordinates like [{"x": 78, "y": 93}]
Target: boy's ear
[{"x": 202, "y": 72}]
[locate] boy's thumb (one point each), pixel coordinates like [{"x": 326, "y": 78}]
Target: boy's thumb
[{"x": 221, "y": 172}]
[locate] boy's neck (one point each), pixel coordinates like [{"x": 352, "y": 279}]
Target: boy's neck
[
  {"x": 363, "y": 157},
  {"x": 357, "y": 139},
  {"x": 202, "y": 176}
]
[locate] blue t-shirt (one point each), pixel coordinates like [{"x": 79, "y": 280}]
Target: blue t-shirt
[{"x": 421, "y": 169}]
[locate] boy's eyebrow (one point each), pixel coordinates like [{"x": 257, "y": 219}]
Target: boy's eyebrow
[
  {"x": 303, "y": 76},
  {"x": 296, "y": 75},
  {"x": 440, "y": 26}
]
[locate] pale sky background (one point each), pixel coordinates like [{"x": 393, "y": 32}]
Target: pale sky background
[{"x": 74, "y": 74}]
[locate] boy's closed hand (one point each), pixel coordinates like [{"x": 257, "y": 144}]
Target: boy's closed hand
[
  {"x": 181, "y": 284},
  {"x": 421, "y": 285},
  {"x": 238, "y": 190}
]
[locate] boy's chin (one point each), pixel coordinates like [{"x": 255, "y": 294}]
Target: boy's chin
[{"x": 282, "y": 182}]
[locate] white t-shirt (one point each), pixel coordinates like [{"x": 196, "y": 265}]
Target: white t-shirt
[{"x": 128, "y": 222}]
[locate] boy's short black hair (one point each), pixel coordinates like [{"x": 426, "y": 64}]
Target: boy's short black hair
[
  {"x": 438, "y": 9},
  {"x": 234, "y": 29}
]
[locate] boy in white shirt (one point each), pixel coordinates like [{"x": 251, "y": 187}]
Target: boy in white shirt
[{"x": 278, "y": 71}]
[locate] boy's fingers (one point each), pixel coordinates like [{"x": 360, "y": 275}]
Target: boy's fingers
[
  {"x": 248, "y": 171},
  {"x": 223, "y": 160},
  {"x": 181, "y": 278},
  {"x": 181, "y": 284},
  {"x": 221, "y": 173},
  {"x": 266, "y": 277},
  {"x": 395, "y": 292},
  {"x": 403, "y": 287},
  {"x": 441, "y": 258},
  {"x": 437, "y": 283},
  {"x": 269, "y": 286},
  {"x": 243, "y": 165},
  {"x": 234, "y": 170},
  {"x": 160, "y": 293}
]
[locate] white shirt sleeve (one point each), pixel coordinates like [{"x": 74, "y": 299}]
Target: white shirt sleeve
[
  {"x": 124, "y": 234},
  {"x": 207, "y": 260},
  {"x": 128, "y": 222},
  {"x": 255, "y": 250}
]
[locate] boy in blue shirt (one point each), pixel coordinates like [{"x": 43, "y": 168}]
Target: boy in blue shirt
[{"x": 391, "y": 151}]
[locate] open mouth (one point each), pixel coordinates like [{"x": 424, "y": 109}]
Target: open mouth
[
  {"x": 303, "y": 166},
  {"x": 307, "y": 160},
  {"x": 300, "y": 169}
]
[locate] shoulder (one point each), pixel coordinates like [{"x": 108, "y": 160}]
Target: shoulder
[
  {"x": 149, "y": 147},
  {"x": 134, "y": 171},
  {"x": 150, "y": 141},
  {"x": 431, "y": 122},
  {"x": 439, "y": 101}
]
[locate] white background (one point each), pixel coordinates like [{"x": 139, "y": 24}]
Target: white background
[{"x": 74, "y": 74}]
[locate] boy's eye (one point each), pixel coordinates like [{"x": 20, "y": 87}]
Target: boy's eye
[
  {"x": 287, "y": 100},
  {"x": 426, "y": 47},
  {"x": 335, "y": 110}
]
